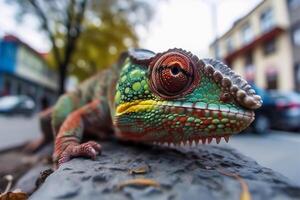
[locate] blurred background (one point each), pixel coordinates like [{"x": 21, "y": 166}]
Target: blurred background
[{"x": 48, "y": 47}]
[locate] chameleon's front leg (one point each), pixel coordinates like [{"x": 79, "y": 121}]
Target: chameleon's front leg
[{"x": 67, "y": 142}]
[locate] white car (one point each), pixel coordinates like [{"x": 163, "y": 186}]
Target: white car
[{"x": 17, "y": 104}]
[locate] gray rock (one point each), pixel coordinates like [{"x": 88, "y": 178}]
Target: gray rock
[
  {"x": 27, "y": 183},
  {"x": 182, "y": 173}
]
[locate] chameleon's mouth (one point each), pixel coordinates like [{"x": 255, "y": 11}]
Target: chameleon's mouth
[
  {"x": 183, "y": 122},
  {"x": 180, "y": 107}
]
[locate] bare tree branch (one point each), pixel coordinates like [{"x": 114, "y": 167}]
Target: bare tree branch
[
  {"x": 45, "y": 25},
  {"x": 65, "y": 20}
]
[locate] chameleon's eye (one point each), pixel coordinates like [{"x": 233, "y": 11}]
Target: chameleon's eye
[
  {"x": 173, "y": 74},
  {"x": 173, "y": 78}
]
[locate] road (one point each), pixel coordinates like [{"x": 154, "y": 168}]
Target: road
[
  {"x": 16, "y": 130},
  {"x": 276, "y": 150}
]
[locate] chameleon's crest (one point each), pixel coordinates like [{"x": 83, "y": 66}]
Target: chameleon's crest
[
  {"x": 232, "y": 83},
  {"x": 141, "y": 56}
]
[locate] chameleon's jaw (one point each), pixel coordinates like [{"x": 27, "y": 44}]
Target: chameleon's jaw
[{"x": 176, "y": 122}]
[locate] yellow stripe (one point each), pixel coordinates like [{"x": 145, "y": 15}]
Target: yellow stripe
[{"x": 135, "y": 106}]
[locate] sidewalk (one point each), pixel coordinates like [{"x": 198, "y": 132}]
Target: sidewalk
[{"x": 15, "y": 131}]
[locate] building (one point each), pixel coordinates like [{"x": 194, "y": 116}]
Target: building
[
  {"x": 24, "y": 71},
  {"x": 294, "y": 13},
  {"x": 263, "y": 46}
]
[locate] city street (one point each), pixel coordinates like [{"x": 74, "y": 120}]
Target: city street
[
  {"x": 15, "y": 131},
  {"x": 276, "y": 150}
]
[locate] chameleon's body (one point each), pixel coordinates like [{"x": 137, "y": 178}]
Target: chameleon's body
[{"x": 171, "y": 97}]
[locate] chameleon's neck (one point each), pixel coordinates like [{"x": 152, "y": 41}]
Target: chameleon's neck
[{"x": 112, "y": 83}]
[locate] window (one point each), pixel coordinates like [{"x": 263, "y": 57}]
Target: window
[
  {"x": 296, "y": 36},
  {"x": 1, "y": 47},
  {"x": 293, "y": 3},
  {"x": 249, "y": 68},
  {"x": 217, "y": 51},
  {"x": 269, "y": 47},
  {"x": 297, "y": 76},
  {"x": 19, "y": 88},
  {"x": 229, "y": 45},
  {"x": 7, "y": 87},
  {"x": 247, "y": 34},
  {"x": 272, "y": 79},
  {"x": 249, "y": 59},
  {"x": 266, "y": 20},
  {"x": 11, "y": 51}
]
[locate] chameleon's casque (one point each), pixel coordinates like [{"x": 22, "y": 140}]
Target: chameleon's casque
[{"x": 175, "y": 97}]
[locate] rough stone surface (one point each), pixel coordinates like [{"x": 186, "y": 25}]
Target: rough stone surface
[
  {"x": 182, "y": 173},
  {"x": 27, "y": 182},
  {"x": 39, "y": 162}
]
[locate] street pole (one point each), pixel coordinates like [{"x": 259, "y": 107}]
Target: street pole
[
  {"x": 214, "y": 20},
  {"x": 214, "y": 17}
]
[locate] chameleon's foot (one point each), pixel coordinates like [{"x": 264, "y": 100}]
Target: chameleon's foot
[{"x": 88, "y": 149}]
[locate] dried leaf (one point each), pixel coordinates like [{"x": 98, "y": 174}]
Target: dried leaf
[
  {"x": 140, "y": 170},
  {"x": 245, "y": 194},
  {"x": 138, "y": 182},
  {"x": 14, "y": 196}
]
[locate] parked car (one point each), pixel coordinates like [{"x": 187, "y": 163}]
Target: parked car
[
  {"x": 264, "y": 115},
  {"x": 287, "y": 115},
  {"x": 18, "y": 104}
]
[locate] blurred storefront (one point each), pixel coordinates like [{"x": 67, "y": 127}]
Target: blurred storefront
[
  {"x": 23, "y": 71},
  {"x": 264, "y": 45}
]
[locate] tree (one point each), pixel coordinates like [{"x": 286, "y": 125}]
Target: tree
[
  {"x": 76, "y": 27},
  {"x": 99, "y": 47}
]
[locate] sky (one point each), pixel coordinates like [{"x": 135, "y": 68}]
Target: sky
[{"x": 183, "y": 24}]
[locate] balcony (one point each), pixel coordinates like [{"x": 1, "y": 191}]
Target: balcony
[{"x": 274, "y": 32}]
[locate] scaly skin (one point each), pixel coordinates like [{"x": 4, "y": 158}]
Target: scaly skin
[{"x": 171, "y": 97}]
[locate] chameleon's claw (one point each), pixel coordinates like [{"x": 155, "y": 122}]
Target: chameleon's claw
[{"x": 89, "y": 149}]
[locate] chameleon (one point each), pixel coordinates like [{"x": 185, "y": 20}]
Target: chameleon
[{"x": 171, "y": 97}]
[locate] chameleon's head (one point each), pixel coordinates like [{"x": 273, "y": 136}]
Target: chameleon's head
[{"x": 175, "y": 97}]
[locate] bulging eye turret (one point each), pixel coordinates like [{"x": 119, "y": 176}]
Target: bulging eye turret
[{"x": 173, "y": 74}]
